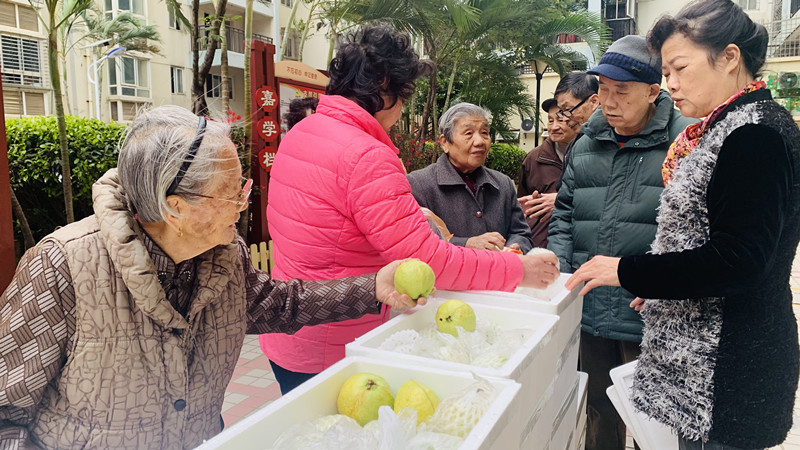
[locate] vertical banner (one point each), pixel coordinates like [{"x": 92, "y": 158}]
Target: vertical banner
[{"x": 265, "y": 119}]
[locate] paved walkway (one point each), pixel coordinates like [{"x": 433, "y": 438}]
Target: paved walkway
[{"x": 253, "y": 384}]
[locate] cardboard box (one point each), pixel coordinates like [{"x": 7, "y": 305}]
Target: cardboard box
[{"x": 317, "y": 397}]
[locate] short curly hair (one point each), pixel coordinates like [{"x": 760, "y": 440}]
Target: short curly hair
[
  {"x": 298, "y": 109},
  {"x": 375, "y": 60}
]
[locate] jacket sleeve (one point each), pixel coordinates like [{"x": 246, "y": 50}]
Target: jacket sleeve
[
  {"x": 37, "y": 322},
  {"x": 518, "y": 230},
  {"x": 380, "y": 202},
  {"x": 746, "y": 220},
  {"x": 275, "y": 306},
  {"x": 559, "y": 234}
]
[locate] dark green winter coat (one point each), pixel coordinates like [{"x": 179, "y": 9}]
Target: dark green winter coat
[{"x": 607, "y": 206}]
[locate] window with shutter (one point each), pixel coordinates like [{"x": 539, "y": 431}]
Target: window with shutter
[
  {"x": 12, "y": 102},
  {"x": 27, "y": 18},
  {"x": 8, "y": 15},
  {"x": 21, "y": 63}
]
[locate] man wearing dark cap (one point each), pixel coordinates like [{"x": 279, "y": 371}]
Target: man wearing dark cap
[{"x": 607, "y": 205}]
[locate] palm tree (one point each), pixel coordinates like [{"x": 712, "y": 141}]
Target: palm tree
[{"x": 200, "y": 71}]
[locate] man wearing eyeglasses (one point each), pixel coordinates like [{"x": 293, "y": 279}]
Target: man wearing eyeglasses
[
  {"x": 607, "y": 205},
  {"x": 541, "y": 173}
]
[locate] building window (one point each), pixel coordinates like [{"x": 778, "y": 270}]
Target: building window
[
  {"x": 291, "y": 48},
  {"x": 128, "y": 76},
  {"x": 22, "y": 103},
  {"x": 114, "y": 7},
  {"x": 20, "y": 61},
  {"x": 176, "y": 77},
  {"x": 214, "y": 86},
  {"x": 124, "y": 111},
  {"x": 748, "y": 5},
  {"x": 173, "y": 20},
  {"x": 288, "y": 3},
  {"x": 18, "y": 16}
]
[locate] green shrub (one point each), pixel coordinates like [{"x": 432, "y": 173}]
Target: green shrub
[
  {"x": 35, "y": 164},
  {"x": 507, "y": 159}
]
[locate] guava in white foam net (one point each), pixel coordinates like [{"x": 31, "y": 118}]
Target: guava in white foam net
[{"x": 459, "y": 413}]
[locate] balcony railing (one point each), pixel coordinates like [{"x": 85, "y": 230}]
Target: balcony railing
[
  {"x": 235, "y": 38},
  {"x": 784, "y": 38},
  {"x": 621, "y": 27}
]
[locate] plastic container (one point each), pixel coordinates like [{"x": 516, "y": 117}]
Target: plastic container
[
  {"x": 533, "y": 365},
  {"x": 649, "y": 434},
  {"x": 579, "y": 438},
  {"x": 317, "y": 397}
]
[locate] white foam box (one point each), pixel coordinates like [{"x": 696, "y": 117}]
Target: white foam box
[
  {"x": 556, "y": 433},
  {"x": 317, "y": 398},
  {"x": 579, "y": 438},
  {"x": 556, "y": 299},
  {"x": 533, "y": 365},
  {"x": 551, "y": 409}
]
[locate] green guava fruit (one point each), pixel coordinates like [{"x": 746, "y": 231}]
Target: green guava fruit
[
  {"x": 414, "y": 278},
  {"x": 416, "y": 396},
  {"x": 361, "y": 396},
  {"x": 452, "y": 314}
]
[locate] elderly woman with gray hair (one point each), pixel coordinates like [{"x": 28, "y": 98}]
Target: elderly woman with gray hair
[
  {"x": 478, "y": 204},
  {"x": 123, "y": 330}
]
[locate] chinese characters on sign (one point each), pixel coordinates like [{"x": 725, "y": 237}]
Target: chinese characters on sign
[
  {"x": 267, "y": 98},
  {"x": 268, "y": 129},
  {"x": 266, "y": 157}
]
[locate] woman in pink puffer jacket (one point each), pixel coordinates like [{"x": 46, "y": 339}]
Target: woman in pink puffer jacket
[{"x": 340, "y": 204}]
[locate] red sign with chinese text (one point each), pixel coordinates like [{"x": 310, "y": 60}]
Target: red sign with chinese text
[
  {"x": 268, "y": 129},
  {"x": 267, "y": 98},
  {"x": 265, "y": 158}
]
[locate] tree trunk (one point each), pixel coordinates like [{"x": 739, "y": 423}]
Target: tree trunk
[
  {"x": 223, "y": 69},
  {"x": 199, "y": 105},
  {"x": 55, "y": 80},
  {"x": 305, "y": 31},
  {"x": 450, "y": 84},
  {"x": 289, "y": 24},
  {"x": 429, "y": 103},
  {"x": 23, "y": 221},
  {"x": 247, "y": 157}
]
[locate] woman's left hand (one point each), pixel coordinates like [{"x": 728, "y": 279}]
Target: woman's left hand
[
  {"x": 598, "y": 271},
  {"x": 386, "y": 293}
]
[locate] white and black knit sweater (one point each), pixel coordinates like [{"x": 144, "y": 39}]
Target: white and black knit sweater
[{"x": 720, "y": 351}]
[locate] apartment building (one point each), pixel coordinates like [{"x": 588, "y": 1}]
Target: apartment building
[
  {"x": 625, "y": 17},
  {"x": 127, "y": 80}
]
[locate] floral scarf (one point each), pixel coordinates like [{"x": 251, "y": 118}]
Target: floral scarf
[{"x": 688, "y": 139}]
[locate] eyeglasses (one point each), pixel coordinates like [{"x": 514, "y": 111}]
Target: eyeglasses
[
  {"x": 568, "y": 113},
  {"x": 243, "y": 197}
]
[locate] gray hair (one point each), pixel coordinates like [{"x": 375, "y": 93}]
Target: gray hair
[
  {"x": 153, "y": 151},
  {"x": 447, "y": 123}
]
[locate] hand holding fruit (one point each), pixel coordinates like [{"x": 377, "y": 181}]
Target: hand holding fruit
[
  {"x": 540, "y": 270},
  {"x": 397, "y": 296},
  {"x": 487, "y": 241}
]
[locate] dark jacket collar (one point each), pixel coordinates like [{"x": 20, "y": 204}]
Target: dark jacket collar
[
  {"x": 755, "y": 96},
  {"x": 446, "y": 174}
]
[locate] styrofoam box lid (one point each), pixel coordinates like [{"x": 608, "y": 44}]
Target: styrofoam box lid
[
  {"x": 317, "y": 397},
  {"x": 553, "y": 300},
  {"x": 422, "y": 317}
]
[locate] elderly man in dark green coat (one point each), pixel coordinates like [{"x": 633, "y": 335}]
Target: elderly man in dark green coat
[{"x": 607, "y": 205}]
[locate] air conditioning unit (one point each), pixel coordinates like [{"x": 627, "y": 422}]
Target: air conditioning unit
[
  {"x": 788, "y": 85},
  {"x": 788, "y": 80},
  {"x": 526, "y": 126}
]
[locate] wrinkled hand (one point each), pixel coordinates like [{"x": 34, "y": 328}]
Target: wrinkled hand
[
  {"x": 538, "y": 205},
  {"x": 487, "y": 241},
  {"x": 539, "y": 271},
  {"x": 598, "y": 271},
  {"x": 386, "y": 294},
  {"x": 637, "y": 303},
  {"x": 515, "y": 246}
]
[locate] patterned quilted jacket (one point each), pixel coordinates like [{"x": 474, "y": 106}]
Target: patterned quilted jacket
[{"x": 119, "y": 367}]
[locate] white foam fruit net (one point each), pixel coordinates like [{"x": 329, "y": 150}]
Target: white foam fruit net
[
  {"x": 487, "y": 346},
  {"x": 446, "y": 429}
]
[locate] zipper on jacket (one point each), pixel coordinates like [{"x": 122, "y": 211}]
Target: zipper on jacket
[{"x": 636, "y": 178}]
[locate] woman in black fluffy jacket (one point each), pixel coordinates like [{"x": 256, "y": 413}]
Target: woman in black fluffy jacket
[{"x": 719, "y": 362}]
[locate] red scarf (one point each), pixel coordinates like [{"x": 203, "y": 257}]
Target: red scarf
[{"x": 689, "y": 138}]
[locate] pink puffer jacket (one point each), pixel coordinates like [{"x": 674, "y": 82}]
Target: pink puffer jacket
[{"x": 340, "y": 205}]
